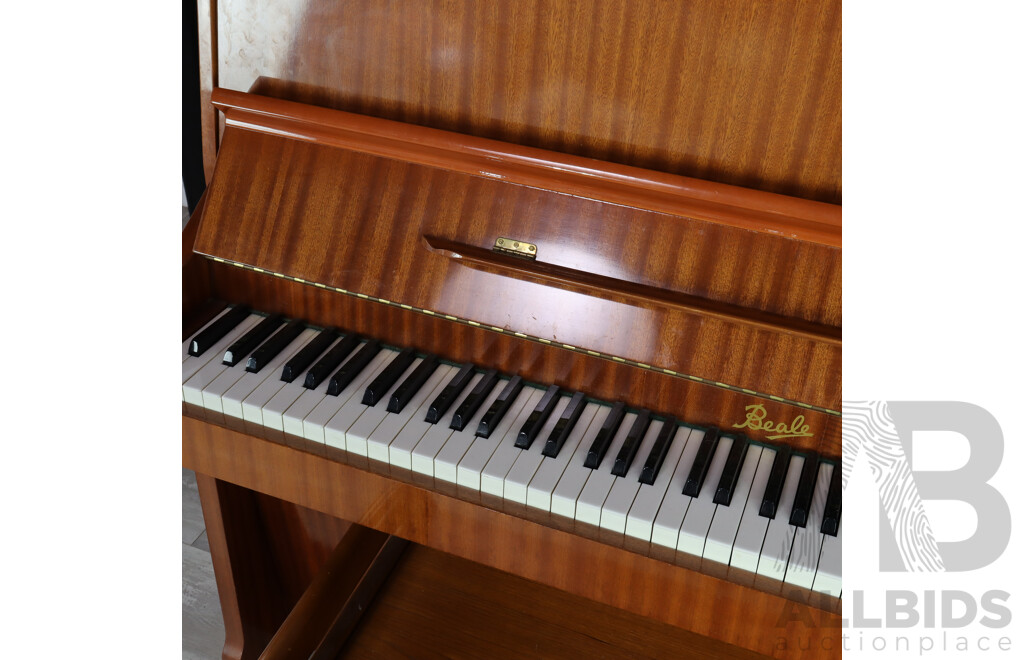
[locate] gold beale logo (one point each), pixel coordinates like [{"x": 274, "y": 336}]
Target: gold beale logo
[{"x": 756, "y": 421}]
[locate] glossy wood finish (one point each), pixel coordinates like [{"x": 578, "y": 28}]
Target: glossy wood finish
[
  {"x": 637, "y": 265},
  {"x": 500, "y": 615},
  {"x": 650, "y": 190},
  {"x": 743, "y": 615},
  {"x": 335, "y": 600},
  {"x": 607, "y": 380},
  {"x": 745, "y": 92},
  {"x": 361, "y": 223},
  {"x": 265, "y": 553}
]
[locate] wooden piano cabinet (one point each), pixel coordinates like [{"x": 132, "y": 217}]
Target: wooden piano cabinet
[
  {"x": 678, "y": 167},
  {"x": 277, "y": 510}
]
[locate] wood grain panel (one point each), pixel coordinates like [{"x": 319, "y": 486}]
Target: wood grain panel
[
  {"x": 745, "y": 208},
  {"x": 744, "y": 92},
  {"x": 733, "y": 613},
  {"x": 345, "y": 200},
  {"x": 332, "y": 605},
  {"x": 358, "y": 222},
  {"x": 265, "y": 553},
  {"x": 436, "y": 605}
]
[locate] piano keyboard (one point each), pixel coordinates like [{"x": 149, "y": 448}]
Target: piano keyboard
[{"x": 715, "y": 496}]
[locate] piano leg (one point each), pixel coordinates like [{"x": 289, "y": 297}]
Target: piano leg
[{"x": 266, "y": 554}]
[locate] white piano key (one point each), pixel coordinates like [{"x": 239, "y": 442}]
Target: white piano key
[
  {"x": 829, "y": 577},
  {"x": 294, "y": 417},
  {"x": 472, "y": 465},
  {"x": 214, "y": 392},
  {"x": 231, "y": 401},
  {"x": 446, "y": 463},
  {"x": 673, "y": 508},
  {"x": 188, "y": 342},
  {"x": 198, "y": 372},
  {"x": 726, "y": 522},
  {"x": 274, "y": 410},
  {"x": 574, "y": 479},
  {"x": 803, "y": 560},
  {"x": 746, "y": 547},
  {"x": 492, "y": 478},
  {"x": 620, "y": 499},
  {"x": 254, "y": 402},
  {"x": 336, "y": 428},
  {"x": 307, "y": 401},
  {"x": 601, "y": 479},
  {"x": 401, "y": 448},
  {"x": 522, "y": 471},
  {"x": 694, "y": 531},
  {"x": 549, "y": 474},
  {"x": 315, "y": 423},
  {"x": 379, "y": 441},
  {"x": 640, "y": 521},
  {"x": 778, "y": 540},
  {"x": 437, "y": 435},
  {"x": 356, "y": 435}
]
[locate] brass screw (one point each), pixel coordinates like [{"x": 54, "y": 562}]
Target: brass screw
[
  {"x": 501, "y": 242},
  {"x": 532, "y": 248},
  {"x": 516, "y": 245}
]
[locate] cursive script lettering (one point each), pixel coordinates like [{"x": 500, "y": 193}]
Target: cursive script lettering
[{"x": 756, "y": 421}]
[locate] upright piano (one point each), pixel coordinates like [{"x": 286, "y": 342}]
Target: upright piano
[{"x": 455, "y": 386}]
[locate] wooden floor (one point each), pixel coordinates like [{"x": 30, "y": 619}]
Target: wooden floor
[{"x": 202, "y": 628}]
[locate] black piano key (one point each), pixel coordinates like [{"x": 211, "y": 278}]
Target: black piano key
[
  {"x": 632, "y": 444},
  {"x": 731, "y": 473},
  {"x": 387, "y": 378},
  {"x": 321, "y": 371},
  {"x": 604, "y": 437},
  {"x": 407, "y": 390},
  {"x": 804, "y": 492},
  {"x": 773, "y": 490},
  {"x": 247, "y": 344},
  {"x": 652, "y": 466},
  {"x": 216, "y": 331},
  {"x": 475, "y": 399},
  {"x": 311, "y": 351},
  {"x": 342, "y": 377},
  {"x": 270, "y": 349},
  {"x": 699, "y": 469},
  {"x": 443, "y": 401},
  {"x": 536, "y": 420},
  {"x": 500, "y": 406},
  {"x": 563, "y": 427},
  {"x": 833, "y": 503}
]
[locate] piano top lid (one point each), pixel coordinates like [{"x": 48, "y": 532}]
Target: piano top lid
[
  {"x": 771, "y": 213},
  {"x": 647, "y": 266}
]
